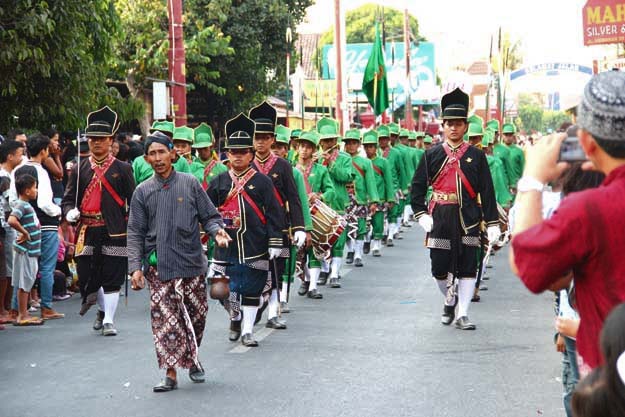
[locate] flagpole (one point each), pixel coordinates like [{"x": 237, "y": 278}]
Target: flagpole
[
  {"x": 338, "y": 45},
  {"x": 408, "y": 103}
]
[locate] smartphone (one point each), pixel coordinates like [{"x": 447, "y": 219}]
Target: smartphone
[{"x": 571, "y": 150}]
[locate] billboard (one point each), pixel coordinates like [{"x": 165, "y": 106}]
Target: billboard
[
  {"x": 604, "y": 22},
  {"x": 422, "y": 83}
]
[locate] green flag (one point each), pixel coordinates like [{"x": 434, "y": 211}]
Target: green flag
[{"x": 374, "y": 81}]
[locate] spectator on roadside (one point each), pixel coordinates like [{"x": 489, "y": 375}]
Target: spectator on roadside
[
  {"x": 54, "y": 166},
  {"x": 48, "y": 214},
  {"x": 584, "y": 238}
]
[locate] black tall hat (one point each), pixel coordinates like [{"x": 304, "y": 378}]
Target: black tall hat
[
  {"x": 102, "y": 122},
  {"x": 240, "y": 132},
  {"x": 265, "y": 117},
  {"x": 455, "y": 105}
]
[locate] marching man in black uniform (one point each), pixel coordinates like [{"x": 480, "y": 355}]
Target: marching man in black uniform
[
  {"x": 97, "y": 197},
  {"x": 253, "y": 219},
  {"x": 460, "y": 178},
  {"x": 281, "y": 174}
]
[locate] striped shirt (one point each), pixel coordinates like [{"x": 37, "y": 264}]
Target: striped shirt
[
  {"x": 25, "y": 214},
  {"x": 165, "y": 215}
]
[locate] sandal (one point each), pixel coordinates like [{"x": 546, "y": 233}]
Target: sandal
[{"x": 31, "y": 321}]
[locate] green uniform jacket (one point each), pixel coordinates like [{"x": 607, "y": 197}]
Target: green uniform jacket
[
  {"x": 517, "y": 163},
  {"x": 303, "y": 196},
  {"x": 291, "y": 156},
  {"x": 502, "y": 152},
  {"x": 197, "y": 169},
  {"x": 342, "y": 173},
  {"x": 394, "y": 159},
  {"x": 142, "y": 170},
  {"x": 383, "y": 179},
  {"x": 502, "y": 193},
  {"x": 406, "y": 165},
  {"x": 364, "y": 184},
  {"x": 320, "y": 182}
]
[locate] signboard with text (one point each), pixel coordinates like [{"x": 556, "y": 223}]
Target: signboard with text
[{"x": 604, "y": 22}]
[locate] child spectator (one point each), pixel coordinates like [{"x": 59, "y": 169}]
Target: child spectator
[{"x": 27, "y": 247}]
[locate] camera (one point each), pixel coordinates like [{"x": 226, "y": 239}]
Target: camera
[{"x": 571, "y": 150}]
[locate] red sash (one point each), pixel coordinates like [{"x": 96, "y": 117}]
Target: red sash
[
  {"x": 378, "y": 170},
  {"x": 99, "y": 175},
  {"x": 453, "y": 163},
  {"x": 207, "y": 171},
  {"x": 362, "y": 173},
  {"x": 332, "y": 158},
  {"x": 265, "y": 168},
  {"x": 238, "y": 187},
  {"x": 306, "y": 175}
]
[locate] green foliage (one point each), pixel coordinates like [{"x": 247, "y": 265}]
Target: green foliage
[
  {"x": 53, "y": 61},
  {"x": 532, "y": 116},
  {"x": 553, "y": 119},
  {"x": 359, "y": 25}
]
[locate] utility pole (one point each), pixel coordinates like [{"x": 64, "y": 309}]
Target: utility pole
[
  {"x": 177, "y": 71},
  {"x": 408, "y": 104},
  {"x": 338, "y": 45}
]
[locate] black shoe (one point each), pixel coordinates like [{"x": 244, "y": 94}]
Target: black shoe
[
  {"x": 483, "y": 288},
  {"x": 449, "y": 312},
  {"x": 274, "y": 323},
  {"x": 315, "y": 295},
  {"x": 389, "y": 242},
  {"x": 235, "y": 330},
  {"x": 90, "y": 301},
  {"x": 97, "y": 324},
  {"x": 248, "y": 341},
  {"x": 376, "y": 253},
  {"x": 366, "y": 248},
  {"x": 358, "y": 262},
  {"x": 196, "y": 373},
  {"x": 166, "y": 384},
  {"x": 303, "y": 289},
  {"x": 284, "y": 307},
  {"x": 350, "y": 258},
  {"x": 108, "y": 329},
  {"x": 259, "y": 312},
  {"x": 323, "y": 278},
  {"x": 334, "y": 283},
  {"x": 463, "y": 323},
  {"x": 398, "y": 235},
  {"x": 485, "y": 278}
]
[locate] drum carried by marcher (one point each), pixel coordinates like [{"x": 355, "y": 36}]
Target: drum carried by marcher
[{"x": 327, "y": 228}]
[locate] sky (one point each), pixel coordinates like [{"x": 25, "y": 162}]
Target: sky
[{"x": 549, "y": 30}]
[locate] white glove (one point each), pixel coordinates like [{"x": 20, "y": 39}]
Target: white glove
[
  {"x": 274, "y": 252},
  {"x": 426, "y": 222},
  {"x": 299, "y": 238},
  {"x": 73, "y": 215},
  {"x": 493, "y": 233}
]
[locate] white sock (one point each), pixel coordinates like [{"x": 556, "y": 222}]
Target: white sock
[
  {"x": 306, "y": 273},
  {"x": 349, "y": 245},
  {"x": 283, "y": 292},
  {"x": 101, "y": 299},
  {"x": 392, "y": 229},
  {"x": 358, "y": 245},
  {"x": 314, "y": 277},
  {"x": 466, "y": 287},
  {"x": 398, "y": 222},
  {"x": 376, "y": 244},
  {"x": 249, "y": 316},
  {"x": 442, "y": 286},
  {"x": 385, "y": 232},
  {"x": 368, "y": 236},
  {"x": 110, "y": 305},
  {"x": 336, "y": 266},
  {"x": 325, "y": 266},
  {"x": 272, "y": 308}
]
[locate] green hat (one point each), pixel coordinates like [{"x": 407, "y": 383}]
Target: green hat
[
  {"x": 508, "y": 128},
  {"x": 475, "y": 130},
  {"x": 489, "y": 137},
  {"x": 311, "y": 136},
  {"x": 404, "y": 133},
  {"x": 183, "y": 133},
  {"x": 474, "y": 118},
  {"x": 393, "y": 128},
  {"x": 163, "y": 126},
  {"x": 295, "y": 133},
  {"x": 493, "y": 125},
  {"x": 283, "y": 134},
  {"x": 420, "y": 134},
  {"x": 352, "y": 134},
  {"x": 327, "y": 128},
  {"x": 203, "y": 136},
  {"x": 427, "y": 139},
  {"x": 370, "y": 138},
  {"x": 412, "y": 135},
  {"x": 383, "y": 131}
]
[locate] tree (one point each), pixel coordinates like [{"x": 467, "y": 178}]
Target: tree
[
  {"x": 53, "y": 61},
  {"x": 554, "y": 119},
  {"x": 141, "y": 50}
]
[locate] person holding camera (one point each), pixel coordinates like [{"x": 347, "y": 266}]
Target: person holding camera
[{"x": 584, "y": 239}]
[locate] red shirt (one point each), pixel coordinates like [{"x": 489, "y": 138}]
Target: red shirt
[{"x": 585, "y": 235}]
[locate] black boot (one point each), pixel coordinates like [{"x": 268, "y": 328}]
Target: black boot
[
  {"x": 235, "y": 330},
  {"x": 350, "y": 258},
  {"x": 366, "y": 248},
  {"x": 449, "y": 313},
  {"x": 303, "y": 289},
  {"x": 323, "y": 278}
]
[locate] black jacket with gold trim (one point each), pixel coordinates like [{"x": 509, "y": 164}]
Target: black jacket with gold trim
[
  {"x": 251, "y": 237},
  {"x": 475, "y": 168},
  {"x": 119, "y": 175}
]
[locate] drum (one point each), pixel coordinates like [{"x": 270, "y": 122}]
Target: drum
[{"x": 327, "y": 228}]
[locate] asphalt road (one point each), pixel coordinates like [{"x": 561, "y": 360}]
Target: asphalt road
[{"x": 375, "y": 347}]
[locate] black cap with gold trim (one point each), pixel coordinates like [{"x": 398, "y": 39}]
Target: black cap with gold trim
[
  {"x": 265, "y": 117},
  {"x": 455, "y": 105},
  {"x": 240, "y": 132},
  {"x": 101, "y": 123}
]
